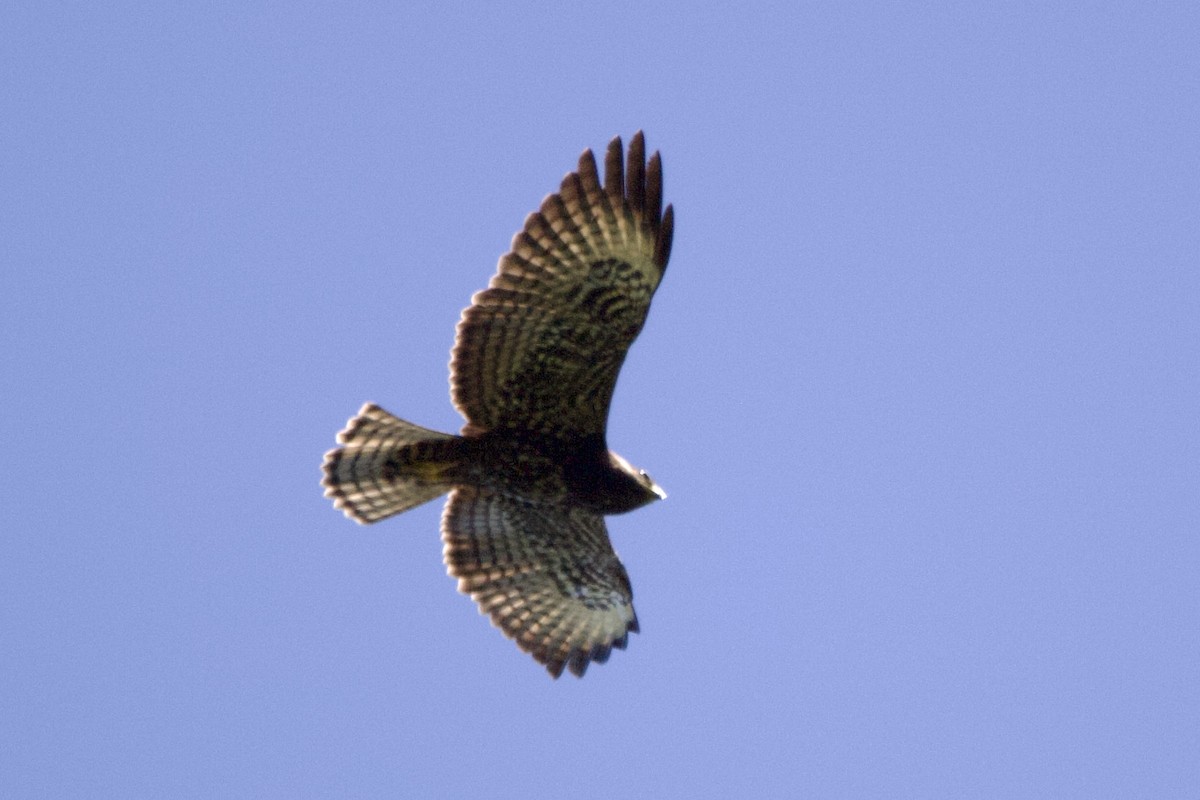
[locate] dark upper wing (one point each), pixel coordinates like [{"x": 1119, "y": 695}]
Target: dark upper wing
[
  {"x": 546, "y": 575},
  {"x": 540, "y": 348}
]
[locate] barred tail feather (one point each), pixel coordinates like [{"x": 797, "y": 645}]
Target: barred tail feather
[{"x": 386, "y": 465}]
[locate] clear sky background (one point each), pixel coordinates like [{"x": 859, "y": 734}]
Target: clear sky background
[{"x": 922, "y": 382}]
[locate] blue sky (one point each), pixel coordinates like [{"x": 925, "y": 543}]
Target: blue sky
[{"x": 922, "y": 383}]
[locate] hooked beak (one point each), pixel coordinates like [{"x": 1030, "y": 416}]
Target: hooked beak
[{"x": 658, "y": 490}]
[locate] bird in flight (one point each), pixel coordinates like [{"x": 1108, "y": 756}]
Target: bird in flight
[{"x": 533, "y": 368}]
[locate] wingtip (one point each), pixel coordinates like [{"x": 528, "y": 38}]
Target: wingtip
[
  {"x": 587, "y": 165},
  {"x": 614, "y": 172},
  {"x": 666, "y": 235},
  {"x": 578, "y": 662}
]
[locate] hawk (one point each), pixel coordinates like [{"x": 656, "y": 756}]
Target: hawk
[{"x": 533, "y": 368}]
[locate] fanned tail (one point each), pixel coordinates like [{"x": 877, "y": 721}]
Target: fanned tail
[{"x": 387, "y": 465}]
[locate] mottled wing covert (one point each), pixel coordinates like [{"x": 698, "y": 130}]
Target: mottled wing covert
[
  {"x": 539, "y": 350},
  {"x": 547, "y": 576}
]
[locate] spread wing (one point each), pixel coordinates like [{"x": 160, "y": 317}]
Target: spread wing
[
  {"x": 539, "y": 350},
  {"x": 546, "y": 575}
]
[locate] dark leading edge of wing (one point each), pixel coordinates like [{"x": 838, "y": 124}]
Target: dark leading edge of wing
[{"x": 539, "y": 350}]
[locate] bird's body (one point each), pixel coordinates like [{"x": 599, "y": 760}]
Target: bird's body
[{"x": 533, "y": 370}]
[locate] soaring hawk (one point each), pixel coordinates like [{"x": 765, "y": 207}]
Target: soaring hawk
[{"x": 532, "y": 370}]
